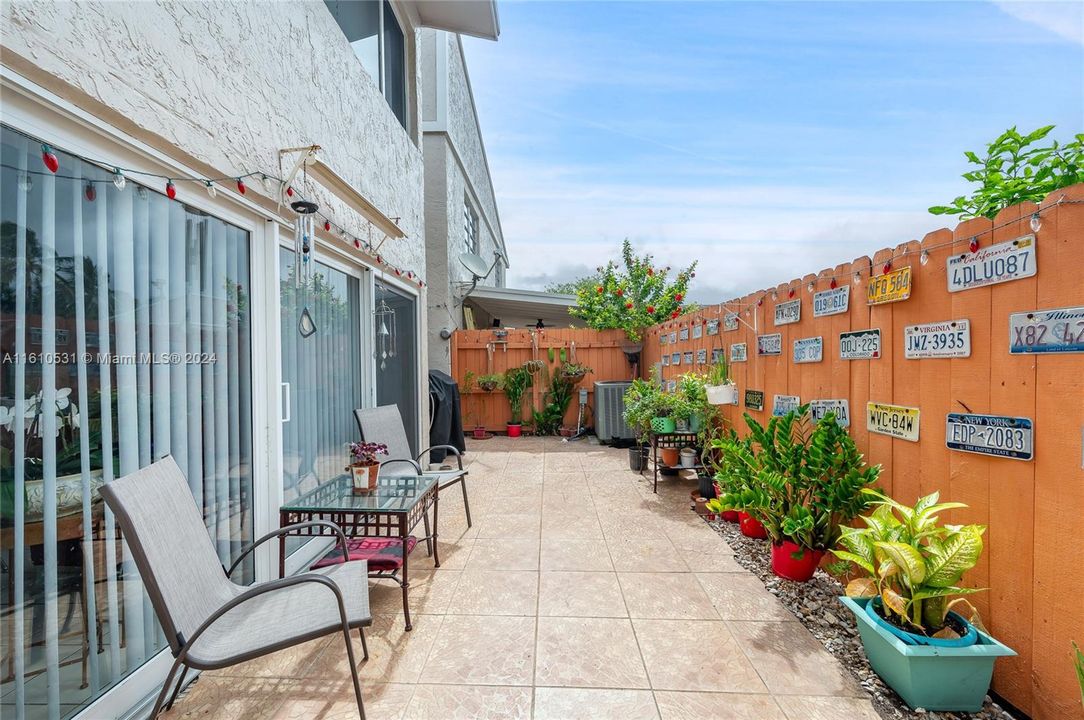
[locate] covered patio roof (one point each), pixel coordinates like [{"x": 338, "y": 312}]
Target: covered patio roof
[{"x": 519, "y": 308}]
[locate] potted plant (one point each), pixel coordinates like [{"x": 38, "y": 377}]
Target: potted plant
[
  {"x": 492, "y": 382},
  {"x": 516, "y": 382},
  {"x": 933, "y": 657},
  {"x": 662, "y": 421},
  {"x": 479, "y": 431},
  {"x": 641, "y": 400},
  {"x": 718, "y": 387},
  {"x": 800, "y": 484},
  {"x": 574, "y": 372},
  {"x": 547, "y": 421},
  {"x": 365, "y": 467},
  {"x": 693, "y": 406},
  {"x": 468, "y": 381}
]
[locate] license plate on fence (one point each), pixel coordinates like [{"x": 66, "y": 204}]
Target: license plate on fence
[
  {"x": 739, "y": 352},
  {"x": 730, "y": 322},
  {"x": 890, "y": 287},
  {"x": 770, "y": 344},
  {"x": 788, "y": 312},
  {"x": 991, "y": 265},
  {"x": 831, "y": 302},
  {"x": 893, "y": 420},
  {"x": 1047, "y": 331},
  {"x": 860, "y": 344},
  {"x": 754, "y": 399},
  {"x": 809, "y": 350},
  {"x": 784, "y": 404},
  {"x": 840, "y": 408},
  {"x": 1009, "y": 437},
  {"x": 948, "y": 339}
]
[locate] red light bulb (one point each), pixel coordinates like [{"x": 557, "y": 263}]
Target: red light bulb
[
  {"x": 171, "y": 190},
  {"x": 241, "y": 186},
  {"x": 49, "y": 158},
  {"x": 90, "y": 192}
]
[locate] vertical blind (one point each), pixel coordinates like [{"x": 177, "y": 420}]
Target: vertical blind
[{"x": 124, "y": 337}]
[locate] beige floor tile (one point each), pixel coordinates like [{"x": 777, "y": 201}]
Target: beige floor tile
[
  {"x": 580, "y": 594},
  {"x": 711, "y": 561},
  {"x": 792, "y": 661},
  {"x": 431, "y": 590},
  {"x": 569, "y": 525},
  {"x": 334, "y": 700},
  {"x": 719, "y": 706},
  {"x": 666, "y": 595},
  {"x": 593, "y": 704},
  {"x": 395, "y": 655},
  {"x": 742, "y": 596},
  {"x": 588, "y": 652},
  {"x": 582, "y": 554},
  {"x": 512, "y": 525},
  {"x": 482, "y": 650},
  {"x": 504, "y": 554},
  {"x": 645, "y": 554},
  {"x": 469, "y": 702},
  {"x": 453, "y": 555},
  {"x": 496, "y": 592},
  {"x": 803, "y": 707},
  {"x": 695, "y": 655},
  {"x": 215, "y": 697},
  {"x": 292, "y": 662}
]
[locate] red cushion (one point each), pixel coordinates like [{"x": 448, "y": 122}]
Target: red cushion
[{"x": 383, "y": 553}]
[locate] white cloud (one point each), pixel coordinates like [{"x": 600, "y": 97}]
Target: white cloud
[{"x": 1064, "y": 19}]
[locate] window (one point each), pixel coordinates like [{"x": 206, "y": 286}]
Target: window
[
  {"x": 124, "y": 337},
  {"x": 378, "y": 41},
  {"x": 470, "y": 227}
]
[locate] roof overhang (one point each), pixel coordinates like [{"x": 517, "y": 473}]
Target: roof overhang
[
  {"x": 526, "y": 304},
  {"x": 466, "y": 17}
]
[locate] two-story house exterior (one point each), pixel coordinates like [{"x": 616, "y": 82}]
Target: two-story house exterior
[{"x": 159, "y": 293}]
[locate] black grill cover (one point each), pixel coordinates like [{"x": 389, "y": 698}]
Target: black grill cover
[{"x": 446, "y": 427}]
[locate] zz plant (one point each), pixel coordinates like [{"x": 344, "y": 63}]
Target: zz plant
[
  {"x": 803, "y": 482},
  {"x": 914, "y": 564}
]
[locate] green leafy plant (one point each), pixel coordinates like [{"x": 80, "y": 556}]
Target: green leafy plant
[
  {"x": 718, "y": 373},
  {"x": 491, "y": 382},
  {"x": 468, "y": 381},
  {"x": 802, "y": 483},
  {"x": 574, "y": 371},
  {"x": 632, "y": 296},
  {"x": 913, "y": 563},
  {"x": 1017, "y": 168},
  {"x": 558, "y": 397},
  {"x": 1078, "y": 660},
  {"x": 516, "y": 382},
  {"x": 641, "y": 403}
]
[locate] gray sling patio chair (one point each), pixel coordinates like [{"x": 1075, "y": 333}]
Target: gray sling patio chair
[
  {"x": 384, "y": 424},
  {"x": 210, "y": 621}
]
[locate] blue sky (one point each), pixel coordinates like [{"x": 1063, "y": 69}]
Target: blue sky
[{"x": 767, "y": 140}]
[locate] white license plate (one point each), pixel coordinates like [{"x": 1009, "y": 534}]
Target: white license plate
[
  {"x": 739, "y": 352},
  {"x": 698, "y": 331},
  {"x": 991, "y": 265},
  {"x": 730, "y": 322},
  {"x": 1047, "y": 331},
  {"x": 893, "y": 420},
  {"x": 770, "y": 344},
  {"x": 701, "y": 357},
  {"x": 841, "y": 408},
  {"x": 788, "y": 312},
  {"x": 675, "y": 359},
  {"x": 666, "y": 361},
  {"x": 713, "y": 327},
  {"x": 717, "y": 355},
  {"x": 860, "y": 344},
  {"x": 831, "y": 302},
  {"x": 683, "y": 334},
  {"x": 809, "y": 350},
  {"x": 948, "y": 339},
  {"x": 783, "y": 404},
  {"x": 688, "y": 358},
  {"x": 1008, "y": 437}
]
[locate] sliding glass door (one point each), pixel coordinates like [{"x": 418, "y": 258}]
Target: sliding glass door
[
  {"x": 125, "y": 335},
  {"x": 321, "y": 373},
  {"x": 395, "y": 354}
]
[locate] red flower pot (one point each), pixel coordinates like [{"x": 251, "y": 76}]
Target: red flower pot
[
  {"x": 730, "y": 515},
  {"x": 479, "y": 432},
  {"x": 787, "y": 564},
  {"x": 515, "y": 430},
  {"x": 751, "y": 527}
]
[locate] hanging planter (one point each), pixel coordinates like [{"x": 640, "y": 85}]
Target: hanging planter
[{"x": 722, "y": 394}]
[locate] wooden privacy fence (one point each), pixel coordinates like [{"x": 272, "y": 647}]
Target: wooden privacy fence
[
  {"x": 483, "y": 352},
  {"x": 1034, "y": 509}
]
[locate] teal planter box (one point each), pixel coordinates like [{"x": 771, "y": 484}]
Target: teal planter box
[{"x": 926, "y": 676}]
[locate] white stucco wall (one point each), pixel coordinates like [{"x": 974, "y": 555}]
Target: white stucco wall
[
  {"x": 455, "y": 169},
  {"x": 223, "y": 86}
]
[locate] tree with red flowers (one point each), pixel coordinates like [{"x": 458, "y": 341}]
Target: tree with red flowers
[{"x": 633, "y": 295}]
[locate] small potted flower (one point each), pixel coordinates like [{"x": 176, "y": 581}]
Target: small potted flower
[
  {"x": 365, "y": 467},
  {"x": 574, "y": 372}
]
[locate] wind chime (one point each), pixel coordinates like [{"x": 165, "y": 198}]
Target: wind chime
[
  {"x": 304, "y": 258},
  {"x": 384, "y": 315}
]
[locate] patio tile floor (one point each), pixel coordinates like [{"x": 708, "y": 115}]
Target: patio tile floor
[{"x": 577, "y": 594}]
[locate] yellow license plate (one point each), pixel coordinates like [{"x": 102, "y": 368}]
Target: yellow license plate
[
  {"x": 890, "y": 287},
  {"x": 893, "y": 420}
]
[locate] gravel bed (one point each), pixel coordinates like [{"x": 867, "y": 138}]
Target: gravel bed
[{"x": 816, "y": 605}]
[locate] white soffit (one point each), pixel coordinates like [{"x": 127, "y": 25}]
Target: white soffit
[{"x": 467, "y": 17}]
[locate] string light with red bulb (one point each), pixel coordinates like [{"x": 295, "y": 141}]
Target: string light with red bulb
[
  {"x": 973, "y": 246},
  {"x": 89, "y": 192},
  {"x": 241, "y": 186},
  {"x": 49, "y": 158},
  {"x": 171, "y": 190}
]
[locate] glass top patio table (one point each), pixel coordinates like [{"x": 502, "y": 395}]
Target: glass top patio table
[{"x": 396, "y": 493}]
